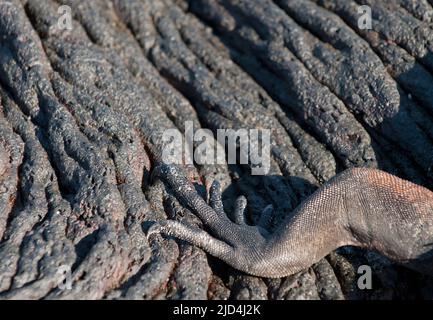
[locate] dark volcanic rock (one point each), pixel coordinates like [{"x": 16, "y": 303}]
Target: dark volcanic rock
[{"x": 83, "y": 112}]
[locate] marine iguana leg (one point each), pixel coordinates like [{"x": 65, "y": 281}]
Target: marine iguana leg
[
  {"x": 215, "y": 199},
  {"x": 362, "y": 207},
  {"x": 240, "y": 210},
  {"x": 193, "y": 235}
]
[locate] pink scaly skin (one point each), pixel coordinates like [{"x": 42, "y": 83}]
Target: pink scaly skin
[{"x": 367, "y": 208}]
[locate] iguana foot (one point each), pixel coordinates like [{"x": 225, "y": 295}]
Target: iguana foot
[{"x": 234, "y": 242}]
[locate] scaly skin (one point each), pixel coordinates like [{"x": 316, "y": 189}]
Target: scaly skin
[{"x": 361, "y": 207}]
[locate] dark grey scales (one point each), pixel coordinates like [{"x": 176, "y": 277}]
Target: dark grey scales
[{"x": 361, "y": 207}]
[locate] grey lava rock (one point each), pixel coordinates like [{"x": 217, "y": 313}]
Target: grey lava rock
[{"x": 83, "y": 112}]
